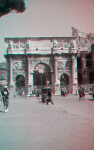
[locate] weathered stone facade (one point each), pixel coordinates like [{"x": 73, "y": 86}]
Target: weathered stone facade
[
  {"x": 45, "y": 61},
  {"x": 85, "y": 57},
  {"x": 3, "y": 73}
]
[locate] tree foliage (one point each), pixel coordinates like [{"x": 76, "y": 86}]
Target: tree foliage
[{"x": 6, "y": 6}]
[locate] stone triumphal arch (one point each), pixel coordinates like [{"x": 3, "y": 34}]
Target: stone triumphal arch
[{"x": 36, "y": 62}]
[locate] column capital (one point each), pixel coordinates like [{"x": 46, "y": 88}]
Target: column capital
[{"x": 74, "y": 56}]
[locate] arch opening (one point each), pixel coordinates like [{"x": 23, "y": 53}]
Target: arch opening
[
  {"x": 42, "y": 75},
  {"x": 89, "y": 60},
  {"x": 20, "y": 84},
  {"x": 79, "y": 63},
  {"x": 64, "y": 82},
  {"x": 79, "y": 78},
  {"x": 91, "y": 77},
  {"x": 64, "y": 79},
  {"x": 92, "y": 48}
]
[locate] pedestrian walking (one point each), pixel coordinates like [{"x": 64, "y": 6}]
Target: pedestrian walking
[
  {"x": 38, "y": 94},
  {"x": 49, "y": 99},
  {"x": 81, "y": 93},
  {"x": 5, "y": 98},
  {"x": 14, "y": 95}
]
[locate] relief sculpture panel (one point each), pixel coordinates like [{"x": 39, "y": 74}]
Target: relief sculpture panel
[
  {"x": 18, "y": 65},
  {"x": 60, "y": 66}
]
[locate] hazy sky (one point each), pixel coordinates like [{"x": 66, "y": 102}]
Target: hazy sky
[{"x": 48, "y": 18}]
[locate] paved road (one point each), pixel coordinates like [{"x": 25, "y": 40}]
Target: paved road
[{"x": 32, "y": 125}]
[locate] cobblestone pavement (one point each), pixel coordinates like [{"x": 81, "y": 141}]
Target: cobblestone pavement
[{"x": 31, "y": 125}]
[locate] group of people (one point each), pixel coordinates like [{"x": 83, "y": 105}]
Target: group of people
[
  {"x": 81, "y": 92},
  {"x": 45, "y": 99},
  {"x": 64, "y": 92},
  {"x": 46, "y": 96}
]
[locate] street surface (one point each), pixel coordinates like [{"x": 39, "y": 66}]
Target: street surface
[{"x": 31, "y": 125}]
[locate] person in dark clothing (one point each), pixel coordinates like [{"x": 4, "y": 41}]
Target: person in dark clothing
[
  {"x": 49, "y": 99},
  {"x": 81, "y": 93},
  {"x": 5, "y": 97}
]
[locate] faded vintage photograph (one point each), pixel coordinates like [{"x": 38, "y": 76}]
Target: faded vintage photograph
[{"x": 46, "y": 74}]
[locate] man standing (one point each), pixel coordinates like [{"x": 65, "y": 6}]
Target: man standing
[
  {"x": 49, "y": 99},
  {"x": 5, "y": 97}
]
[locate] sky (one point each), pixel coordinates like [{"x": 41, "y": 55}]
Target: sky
[{"x": 47, "y": 18}]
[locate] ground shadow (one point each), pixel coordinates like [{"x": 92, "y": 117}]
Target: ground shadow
[
  {"x": 91, "y": 99},
  {"x": 2, "y": 111}
]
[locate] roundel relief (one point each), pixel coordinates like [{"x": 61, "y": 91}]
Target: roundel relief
[
  {"x": 60, "y": 66},
  {"x": 16, "y": 65}
]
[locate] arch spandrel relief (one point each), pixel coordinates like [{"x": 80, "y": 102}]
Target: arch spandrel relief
[
  {"x": 18, "y": 65},
  {"x": 61, "y": 66}
]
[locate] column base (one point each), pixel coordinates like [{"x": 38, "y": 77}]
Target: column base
[
  {"x": 74, "y": 88},
  {"x": 57, "y": 89},
  {"x": 11, "y": 89},
  {"x": 30, "y": 88}
]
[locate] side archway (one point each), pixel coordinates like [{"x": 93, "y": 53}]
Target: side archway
[
  {"x": 64, "y": 79},
  {"x": 64, "y": 82}
]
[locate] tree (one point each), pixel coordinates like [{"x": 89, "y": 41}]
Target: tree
[{"x": 6, "y": 6}]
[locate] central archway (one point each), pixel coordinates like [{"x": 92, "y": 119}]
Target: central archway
[
  {"x": 20, "y": 84},
  {"x": 42, "y": 75}
]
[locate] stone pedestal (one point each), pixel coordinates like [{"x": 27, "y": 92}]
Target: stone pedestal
[
  {"x": 57, "y": 89},
  {"x": 30, "y": 88},
  {"x": 11, "y": 90}
]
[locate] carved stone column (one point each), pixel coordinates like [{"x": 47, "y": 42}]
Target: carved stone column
[
  {"x": 11, "y": 87},
  {"x": 11, "y": 73},
  {"x": 29, "y": 66},
  {"x": 30, "y": 77},
  {"x": 53, "y": 80},
  {"x": 74, "y": 74},
  {"x": 57, "y": 81},
  {"x": 56, "y": 72},
  {"x": 83, "y": 63}
]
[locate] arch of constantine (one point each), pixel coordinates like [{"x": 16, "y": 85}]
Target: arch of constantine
[{"x": 56, "y": 62}]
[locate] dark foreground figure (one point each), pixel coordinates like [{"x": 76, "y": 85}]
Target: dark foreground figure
[
  {"x": 46, "y": 95},
  {"x": 49, "y": 99},
  {"x": 5, "y": 98},
  {"x": 64, "y": 92},
  {"x": 81, "y": 92}
]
